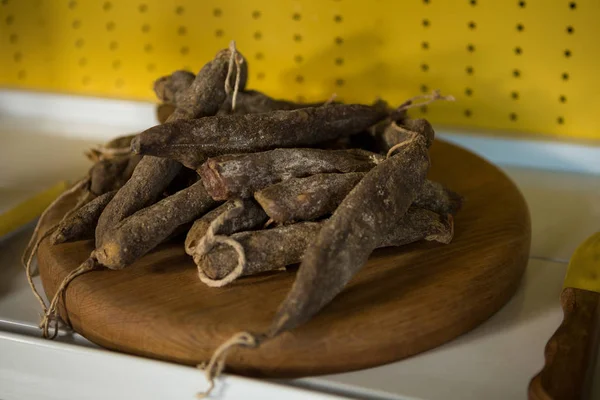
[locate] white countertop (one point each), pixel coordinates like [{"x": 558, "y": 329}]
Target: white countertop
[{"x": 494, "y": 361}]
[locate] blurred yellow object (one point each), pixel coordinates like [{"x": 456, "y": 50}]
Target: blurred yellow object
[
  {"x": 28, "y": 210},
  {"x": 512, "y": 65},
  {"x": 584, "y": 267}
]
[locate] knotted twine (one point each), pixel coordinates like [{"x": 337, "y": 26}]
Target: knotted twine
[
  {"x": 410, "y": 103},
  {"x": 52, "y": 312},
  {"x": 215, "y": 366},
  {"x": 429, "y": 98},
  {"x": 211, "y": 239},
  {"x": 448, "y": 236},
  {"x": 395, "y": 147},
  {"x": 330, "y": 99},
  {"x": 34, "y": 244},
  {"x": 238, "y": 60},
  {"x": 435, "y": 95}
]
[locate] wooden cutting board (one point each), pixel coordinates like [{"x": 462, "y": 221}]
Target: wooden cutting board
[{"x": 403, "y": 302}]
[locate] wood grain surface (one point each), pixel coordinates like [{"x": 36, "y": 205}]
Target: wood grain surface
[
  {"x": 571, "y": 352},
  {"x": 403, "y": 302}
]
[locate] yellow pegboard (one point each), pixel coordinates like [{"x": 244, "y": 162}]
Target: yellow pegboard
[{"x": 525, "y": 65}]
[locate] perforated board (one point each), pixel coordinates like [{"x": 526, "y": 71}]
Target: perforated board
[{"x": 525, "y": 65}]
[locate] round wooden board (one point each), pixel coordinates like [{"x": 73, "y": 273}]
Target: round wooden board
[{"x": 404, "y": 301}]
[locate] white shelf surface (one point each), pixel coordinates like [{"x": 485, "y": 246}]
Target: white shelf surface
[
  {"x": 40, "y": 369},
  {"x": 494, "y": 361}
]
